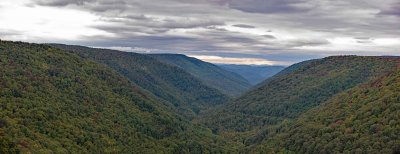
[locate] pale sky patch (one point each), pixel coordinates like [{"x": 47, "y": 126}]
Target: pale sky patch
[
  {"x": 238, "y": 61},
  {"x": 46, "y": 23},
  {"x": 131, "y": 49}
]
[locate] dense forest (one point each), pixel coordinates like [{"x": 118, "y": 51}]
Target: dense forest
[
  {"x": 363, "y": 119},
  {"x": 297, "y": 89},
  {"x": 182, "y": 91},
  {"x": 55, "y": 102},
  {"x": 72, "y": 99},
  {"x": 227, "y": 82}
]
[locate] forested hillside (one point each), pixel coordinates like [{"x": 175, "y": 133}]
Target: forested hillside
[
  {"x": 253, "y": 73},
  {"x": 73, "y": 99},
  {"x": 296, "y": 90},
  {"x": 179, "y": 89},
  {"x": 364, "y": 119},
  {"x": 55, "y": 102},
  {"x": 228, "y": 82}
]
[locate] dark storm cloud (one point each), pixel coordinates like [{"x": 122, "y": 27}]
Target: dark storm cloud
[{"x": 243, "y": 26}]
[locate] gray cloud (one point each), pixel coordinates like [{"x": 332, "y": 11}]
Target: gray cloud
[
  {"x": 269, "y": 6},
  {"x": 269, "y": 36},
  {"x": 217, "y": 28},
  {"x": 305, "y": 42},
  {"x": 148, "y": 25},
  {"x": 243, "y": 26},
  {"x": 92, "y": 5},
  {"x": 5, "y": 33},
  {"x": 205, "y": 26},
  {"x": 137, "y": 17},
  {"x": 394, "y": 10},
  {"x": 60, "y": 3},
  {"x": 363, "y": 39}
]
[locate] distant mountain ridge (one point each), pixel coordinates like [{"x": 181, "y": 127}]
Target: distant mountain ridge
[
  {"x": 255, "y": 74},
  {"x": 226, "y": 81}
]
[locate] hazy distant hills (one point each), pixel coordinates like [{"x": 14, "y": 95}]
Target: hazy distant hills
[
  {"x": 74, "y": 99},
  {"x": 227, "y": 82},
  {"x": 255, "y": 74}
]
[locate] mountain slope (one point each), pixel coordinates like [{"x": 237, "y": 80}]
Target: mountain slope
[
  {"x": 294, "y": 90},
  {"x": 52, "y": 101},
  {"x": 228, "y": 82},
  {"x": 182, "y": 91},
  {"x": 253, "y": 73},
  {"x": 364, "y": 119}
]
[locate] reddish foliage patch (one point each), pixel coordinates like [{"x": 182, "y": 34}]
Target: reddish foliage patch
[
  {"x": 350, "y": 93},
  {"x": 23, "y": 143},
  {"x": 337, "y": 123}
]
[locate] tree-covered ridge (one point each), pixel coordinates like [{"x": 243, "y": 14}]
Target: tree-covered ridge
[
  {"x": 296, "y": 90},
  {"x": 88, "y": 100},
  {"x": 227, "y": 82},
  {"x": 52, "y": 101},
  {"x": 364, "y": 119},
  {"x": 179, "y": 89}
]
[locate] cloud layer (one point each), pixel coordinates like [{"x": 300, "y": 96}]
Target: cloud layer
[{"x": 275, "y": 30}]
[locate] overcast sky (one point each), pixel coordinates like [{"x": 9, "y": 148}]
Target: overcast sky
[{"x": 275, "y": 32}]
